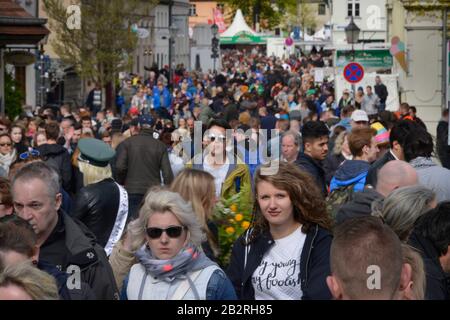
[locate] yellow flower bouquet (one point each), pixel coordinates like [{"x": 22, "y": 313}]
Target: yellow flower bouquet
[{"x": 233, "y": 217}]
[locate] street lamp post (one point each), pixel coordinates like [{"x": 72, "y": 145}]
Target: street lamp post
[
  {"x": 172, "y": 34},
  {"x": 215, "y": 44},
  {"x": 352, "y": 35}
]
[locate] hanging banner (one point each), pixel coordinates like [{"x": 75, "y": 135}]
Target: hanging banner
[{"x": 218, "y": 19}]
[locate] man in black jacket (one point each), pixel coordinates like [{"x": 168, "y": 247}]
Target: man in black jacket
[
  {"x": 443, "y": 149},
  {"x": 56, "y": 155},
  {"x": 139, "y": 163},
  {"x": 315, "y": 149},
  {"x": 397, "y": 139},
  {"x": 381, "y": 92},
  {"x": 431, "y": 237},
  {"x": 64, "y": 242}
]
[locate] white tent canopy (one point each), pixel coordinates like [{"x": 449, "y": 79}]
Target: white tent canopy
[{"x": 238, "y": 26}]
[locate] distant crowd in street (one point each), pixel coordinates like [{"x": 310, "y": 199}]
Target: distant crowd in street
[{"x": 357, "y": 208}]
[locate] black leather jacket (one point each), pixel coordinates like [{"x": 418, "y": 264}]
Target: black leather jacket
[
  {"x": 71, "y": 243},
  {"x": 96, "y": 206}
]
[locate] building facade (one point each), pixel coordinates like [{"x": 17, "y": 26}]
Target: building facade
[
  {"x": 154, "y": 49},
  {"x": 425, "y": 35},
  {"x": 369, "y": 16}
]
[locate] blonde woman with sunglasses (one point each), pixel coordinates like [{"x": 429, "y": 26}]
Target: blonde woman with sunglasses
[
  {"x": 8, "y": 153},
  {"x": 171, "y": 264}
]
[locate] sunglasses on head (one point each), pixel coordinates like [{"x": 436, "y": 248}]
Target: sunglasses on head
[
  {"x": 28, "y": 154},
  {"x": 172, "y": 232}
]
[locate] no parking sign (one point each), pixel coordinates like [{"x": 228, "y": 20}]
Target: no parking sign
[{"x": 353, "y": 72}]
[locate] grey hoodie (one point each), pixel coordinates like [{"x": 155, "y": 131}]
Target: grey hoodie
[{"x": 433, "y": 177}]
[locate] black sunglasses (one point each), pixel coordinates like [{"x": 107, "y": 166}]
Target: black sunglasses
[{"x": 172, "y": 232}]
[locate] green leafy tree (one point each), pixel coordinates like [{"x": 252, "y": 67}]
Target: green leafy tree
[
  {"x": 103, "y": 45},
  {"x": 271, "y": 12},
  {"x": 302, "y": 14},
  {"x": 14, "y": 98}
]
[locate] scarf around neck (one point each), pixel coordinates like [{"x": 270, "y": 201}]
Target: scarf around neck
[
  {"x": 7, "y": 159},
  {"x": 187, "y": 260}
]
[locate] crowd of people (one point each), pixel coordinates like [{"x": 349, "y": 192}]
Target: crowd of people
[{"x": 349, "y": 201}]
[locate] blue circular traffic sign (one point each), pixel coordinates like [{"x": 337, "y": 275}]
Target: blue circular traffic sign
[{"x": 353, "y": 72}]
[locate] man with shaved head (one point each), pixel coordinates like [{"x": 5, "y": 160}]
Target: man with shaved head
[
  {"x": 366, "y": 261},
  {"x": 394, "y": 174}
]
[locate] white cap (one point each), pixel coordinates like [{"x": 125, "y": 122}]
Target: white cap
[{"x": 360, "y": 115}]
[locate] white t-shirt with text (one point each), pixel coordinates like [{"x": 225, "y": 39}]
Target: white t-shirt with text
[{"x": 278, "y": 275}]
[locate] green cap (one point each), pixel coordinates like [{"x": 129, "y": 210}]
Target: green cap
[{"x": 95, "y": 152}]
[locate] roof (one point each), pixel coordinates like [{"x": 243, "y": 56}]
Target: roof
[
  {"x": 240, "y": 33},
  {"x": 238, "y": 26},
  {"x": 19, "y": 27}
]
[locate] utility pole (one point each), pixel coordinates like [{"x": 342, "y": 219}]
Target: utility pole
[
  {"x": 2, "y": 85},
  {"x": 445, "y": 62},
  {"x": 170, "y": 80}
]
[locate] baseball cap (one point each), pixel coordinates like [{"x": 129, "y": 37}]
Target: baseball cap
[
  {"x": 360, "y": 115},
  {"x": 133, "y": 111},
  {"x": 146, "y": 120}
]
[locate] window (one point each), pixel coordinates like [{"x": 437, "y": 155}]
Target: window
[
  {"x": 321, "y": 9},
  {"x": 353, "y": 8},
  {"x": 193, "y": 10},
  {"x": 349, "y": 8}
]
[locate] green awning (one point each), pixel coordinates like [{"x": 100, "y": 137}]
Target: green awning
[{"x": 243, "y": 38}]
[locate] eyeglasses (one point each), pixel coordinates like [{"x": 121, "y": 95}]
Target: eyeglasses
[
  {"x": 5, "y": 144},
  {"x": 28, "y": 154},
  {"x": 172, "y": 232},
  {"x": 220, "y": 138}
]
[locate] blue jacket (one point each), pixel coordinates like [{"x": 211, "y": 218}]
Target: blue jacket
[
  {"x": 351, "y": 172},
  {"x": 314, "y": 264},
  {"x": 166, "y": 96}
]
